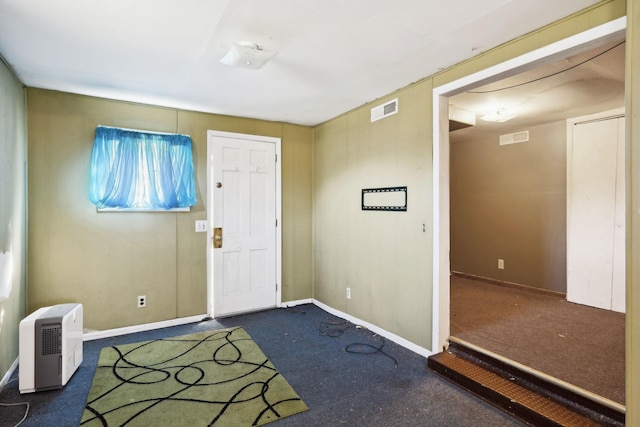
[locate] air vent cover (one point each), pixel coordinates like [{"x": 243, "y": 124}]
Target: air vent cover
[
  {"x": 384, "y": 110},
  {"x": 514, "y": 138}
]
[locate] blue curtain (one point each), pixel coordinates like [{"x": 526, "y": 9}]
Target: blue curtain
[{"x": 138, "y": 170}]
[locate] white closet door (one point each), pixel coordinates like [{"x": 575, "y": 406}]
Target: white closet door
[{"x": 595, "y": 209}]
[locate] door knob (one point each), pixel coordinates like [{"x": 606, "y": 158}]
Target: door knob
[{"x": 217, "y": 237}]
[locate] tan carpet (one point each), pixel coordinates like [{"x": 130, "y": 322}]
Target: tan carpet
[{"x": 581, "y": 345}]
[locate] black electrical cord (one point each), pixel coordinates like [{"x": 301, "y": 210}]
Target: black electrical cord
[
  {"x": 370, "y": 349},
  {"x": 331, "y": 329},
  {"x": 550, "y": 75}
]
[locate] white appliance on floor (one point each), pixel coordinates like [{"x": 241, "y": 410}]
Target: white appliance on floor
[{"x": 50, "y": 347}]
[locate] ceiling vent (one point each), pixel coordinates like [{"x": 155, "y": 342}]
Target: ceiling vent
[
  {"x": 514, "y": 138},
  {"x": 385, "y": 110}
]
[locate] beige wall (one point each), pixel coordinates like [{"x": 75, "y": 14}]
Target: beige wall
[
  {"x": 13, "y": 156},
  {"x": 509, "y": 202},
  {"x": 104, "y": 260}
]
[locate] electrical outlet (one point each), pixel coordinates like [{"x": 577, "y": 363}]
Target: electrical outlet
[
  {"x": 500, "y": 264},
  {"x": 348, "y": 293},
  {"x": 142, "y": 301}
]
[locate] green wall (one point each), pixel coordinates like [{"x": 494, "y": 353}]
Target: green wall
[
  {"x": 105, "y": 259},
  {"x": 391, "y": 291},
  {"x": 385, "y": 257},
  {"x": 13, "y": 190}
]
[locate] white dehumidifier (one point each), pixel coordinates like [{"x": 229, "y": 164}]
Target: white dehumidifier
[{"x": 50, "y": 347}]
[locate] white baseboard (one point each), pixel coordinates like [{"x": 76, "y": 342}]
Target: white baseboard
[
  {"x": 7, "y": 375},
  {"x": 388, "y": 335},
  {"x": 94, "y": 335},
  {"x": 288, "y": 304},
  {"x": 107, "y": 333}
]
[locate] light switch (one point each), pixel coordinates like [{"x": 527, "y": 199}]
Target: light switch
[{"x": 201, "y": 226}]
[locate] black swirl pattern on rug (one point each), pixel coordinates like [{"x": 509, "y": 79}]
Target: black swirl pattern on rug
[{"x": 218, "y": 377}]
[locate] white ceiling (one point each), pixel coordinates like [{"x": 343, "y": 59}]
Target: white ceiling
[
  {"x": 581, "y": 84},
  {"x": 332, "y": 55}
]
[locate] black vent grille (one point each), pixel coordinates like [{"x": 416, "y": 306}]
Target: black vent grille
[
  {"x": 390, "y": 108},
  {"x": 51, "y": 340}
]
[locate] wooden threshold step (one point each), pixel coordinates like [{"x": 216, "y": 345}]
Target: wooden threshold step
[{"x": 516, "y": 393}]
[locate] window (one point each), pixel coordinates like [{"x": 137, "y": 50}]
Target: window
[{"x": 136, "y": 170}]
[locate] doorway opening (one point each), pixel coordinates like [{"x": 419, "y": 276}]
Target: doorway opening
[{"x": 606, "y": 35}]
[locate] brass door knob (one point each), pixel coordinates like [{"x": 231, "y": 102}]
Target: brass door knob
[{"x": 217, "y": 237}]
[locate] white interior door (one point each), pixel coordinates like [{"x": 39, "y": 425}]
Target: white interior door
[
  {"x": 242, "y": 181},
  {"x": 595, "y": 212}
]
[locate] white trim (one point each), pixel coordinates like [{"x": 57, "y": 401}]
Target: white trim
[
  {"x": 545, "y": 377},
  {"x": 278, "y": 221},
  {"x": 582, "y": 41},
  {"x": 209, "y": 207},
  {"x": 288, "y": 304},
  {"x": 388, "y": 335},
  {"x": 107, "y": 333},
  {"x": 9, "y": 373},
  {"x": 554, "y": 51},
  {"x": 378, "y": 113},
  {"x": 247, "y": 136},
  {"x": 603, "y": 115},
  {"x": 209, "y": 189},
  {"x": 441, "y": 238}
]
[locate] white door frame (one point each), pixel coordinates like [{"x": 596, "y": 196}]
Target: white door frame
[
  {"x": 278, "y": 142},
  {"x": 441, "y": 238}
]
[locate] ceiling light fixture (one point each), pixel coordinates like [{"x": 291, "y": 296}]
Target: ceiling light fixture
[
  {"x": 498, "y": 116},
  {"x": 247, "y": 55}
]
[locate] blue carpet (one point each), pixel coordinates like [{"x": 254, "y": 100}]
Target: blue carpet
[{"x": 330, "y": 363}]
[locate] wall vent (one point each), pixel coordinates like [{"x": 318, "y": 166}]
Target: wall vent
[
  {"x": 385, "y": 110},
  {"x": 514, "y": 138}
]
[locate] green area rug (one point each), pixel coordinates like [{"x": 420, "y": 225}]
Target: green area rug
[{"x": 212, "y": 378}]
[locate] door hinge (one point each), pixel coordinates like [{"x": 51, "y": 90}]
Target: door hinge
[
  {"x": 276, "y": 222},
  {"x": 276, "y": 287},
  {"x": 276, "y": 158}
]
